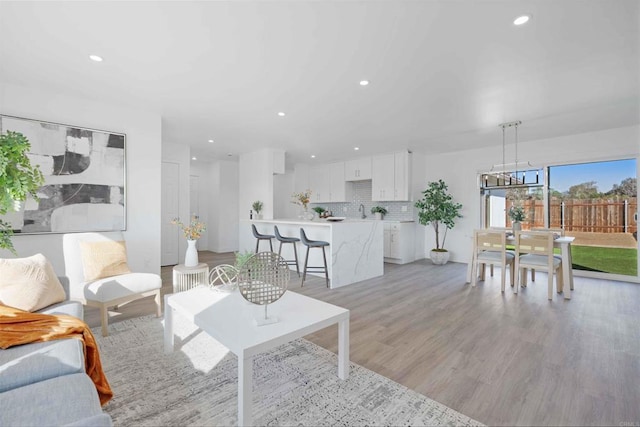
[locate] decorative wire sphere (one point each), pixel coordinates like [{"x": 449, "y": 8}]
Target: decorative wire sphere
[
  {"x": 223, "y": 277},
  {"x": 263, "y": 278}
]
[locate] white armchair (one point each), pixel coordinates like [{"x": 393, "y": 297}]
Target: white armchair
[{"x": 105, "y": 292}]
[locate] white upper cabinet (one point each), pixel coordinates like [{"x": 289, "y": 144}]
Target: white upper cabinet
[
  {"x": 338, "y": 185},
  {"x": 357, "y": 170},
  {"x": 319, "y": 184},
  {"x": 382, "y": 178},
  {"x": 390, "y": 177},
  {"x": 327, "y": 184},
  {"x": 402, "y": 176}
]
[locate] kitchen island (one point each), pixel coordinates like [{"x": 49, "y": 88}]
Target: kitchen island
[{"x": 355, "y": 250}]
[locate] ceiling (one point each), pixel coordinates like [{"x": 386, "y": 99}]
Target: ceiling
[{"x": 443, "y": 74}]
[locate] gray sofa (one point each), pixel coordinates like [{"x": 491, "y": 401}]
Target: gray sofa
[{"x": 44, "y": 384}]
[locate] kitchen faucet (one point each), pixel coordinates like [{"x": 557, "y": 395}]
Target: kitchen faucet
[{"x": 361, "y": 208}]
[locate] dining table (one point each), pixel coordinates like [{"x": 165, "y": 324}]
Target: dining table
[{"x": 564, "y": 244}]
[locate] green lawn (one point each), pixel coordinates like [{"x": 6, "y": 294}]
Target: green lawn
[{"x": 609, "y": 260}]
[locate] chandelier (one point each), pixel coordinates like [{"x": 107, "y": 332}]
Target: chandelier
[{"x": 509, "y": 174}]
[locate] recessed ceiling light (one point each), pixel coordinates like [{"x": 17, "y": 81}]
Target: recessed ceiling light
[
  {"x": 356, "y": 148},
  {"x": 313, "y": 156},
  {"x": 364, "y": 82},
  {"x": 521, "y": 20},
  {"x": 194, "y": 158},
  {"x": 95, "y": 58},
  {"x": 281, "y": 114},
  {"x": 211, "y": 141}
]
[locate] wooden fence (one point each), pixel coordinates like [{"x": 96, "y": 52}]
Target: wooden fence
[{"x": 591, "y": 215}]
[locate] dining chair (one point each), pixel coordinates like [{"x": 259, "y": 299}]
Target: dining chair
[
  {"x": 534, "y": 249},
  {"x": 557, "y": 231},
  {"x": 489, "y": 248},
  {"x": 508, "y": 230}
]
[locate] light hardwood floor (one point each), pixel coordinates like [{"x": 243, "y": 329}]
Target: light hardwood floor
[{"x": 499, "y": 358}]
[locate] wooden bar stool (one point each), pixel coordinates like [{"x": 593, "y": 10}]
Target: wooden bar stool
[
  {"x": 293, "y": 241},
  {"x": 260, "y": 236},
  {"x": 314, "y": 244}
]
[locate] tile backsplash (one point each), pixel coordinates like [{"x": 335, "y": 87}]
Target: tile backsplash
[{"x": 360, "y": 193}]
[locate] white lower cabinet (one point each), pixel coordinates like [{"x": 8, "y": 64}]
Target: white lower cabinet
[{"x": 399, "y": 242}]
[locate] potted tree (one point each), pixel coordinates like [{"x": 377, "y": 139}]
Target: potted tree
[
  {"x": 18, "y": 179},
  {"x": 379, "y": 212},
  {"x": 438, "y": 209}
]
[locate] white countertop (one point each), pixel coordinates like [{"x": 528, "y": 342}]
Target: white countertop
[
  {"x": 319, "y": 221},
  {"x": 297, "y": 221}
]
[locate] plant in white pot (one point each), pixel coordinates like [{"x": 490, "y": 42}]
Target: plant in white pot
[
  {"x": 516, "y": 211},
  {"x": 517, "y": 215},
  {"x": 379, "y": 212},
  {"x": 18, "y": 180},
  {"x": 438, "y": 209},
  {"x": 257, "y": 206}
]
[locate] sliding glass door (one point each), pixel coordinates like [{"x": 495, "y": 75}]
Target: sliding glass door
[{"x": 597, "y": 204}]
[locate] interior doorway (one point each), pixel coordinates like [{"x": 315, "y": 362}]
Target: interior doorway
[{"x": 170, "y": 234}]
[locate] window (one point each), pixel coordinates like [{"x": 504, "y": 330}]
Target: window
[{"x": 596, "y": 203}]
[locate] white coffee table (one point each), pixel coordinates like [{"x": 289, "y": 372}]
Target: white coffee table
[{"x": 229, "y": 319}]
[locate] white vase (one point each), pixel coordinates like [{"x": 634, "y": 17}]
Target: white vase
[
  {"x": 378, "y": 215},
  {"x": 308, "y": 215},
  {"x": 439, "y": 258},
  {"x": 517, "y": 226},
  {"x": 191, "y": 257}
]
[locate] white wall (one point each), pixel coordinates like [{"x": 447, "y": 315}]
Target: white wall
[
  {"x": 256, "y": 182},
  {"x": 300, "y": 177},
  {"x": 418, "y": 184},
  {"x": 459, "y": 170},
  {"x": 203, "y": 171},
  {"x": 180, "y": 154},
  {"x": 143, "y": 130},
  {"x": 222, "y": 190},
  {"x": 283, "y": 189}
]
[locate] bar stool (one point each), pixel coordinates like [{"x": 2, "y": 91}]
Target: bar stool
[
  {"x": 293, "y": 241},
  {"x": 260, "y": 236},
  {"x": 314, "y": 244}
]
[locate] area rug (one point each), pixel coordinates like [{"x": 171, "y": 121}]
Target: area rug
[{"x": 294, "y": 384}]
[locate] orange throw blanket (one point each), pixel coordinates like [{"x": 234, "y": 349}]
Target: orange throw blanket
[{"x": 22, "y": 327}]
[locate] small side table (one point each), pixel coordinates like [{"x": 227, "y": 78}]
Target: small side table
[{"x": 185, "y": 278}]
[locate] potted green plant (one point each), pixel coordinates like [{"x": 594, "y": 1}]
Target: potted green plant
[
  {"x": 517, "y": 215},
  {"x": 18, "y": 180},
  {"x": 379, "y": 212},
  {"x": 242, "y": 258},
  {"x": 319, "y": 210},
  {"x": 438, "y": 209},
  {"x": 257, "y": 206}
]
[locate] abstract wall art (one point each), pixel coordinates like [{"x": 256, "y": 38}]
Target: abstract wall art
[{"x": 84, "y": 171}]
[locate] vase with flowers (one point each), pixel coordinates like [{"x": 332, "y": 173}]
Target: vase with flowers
[
  {"x": 517, "y": 215},
  {"x": 192, "y": 232},
  {"x": 303, "y": 199}
]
